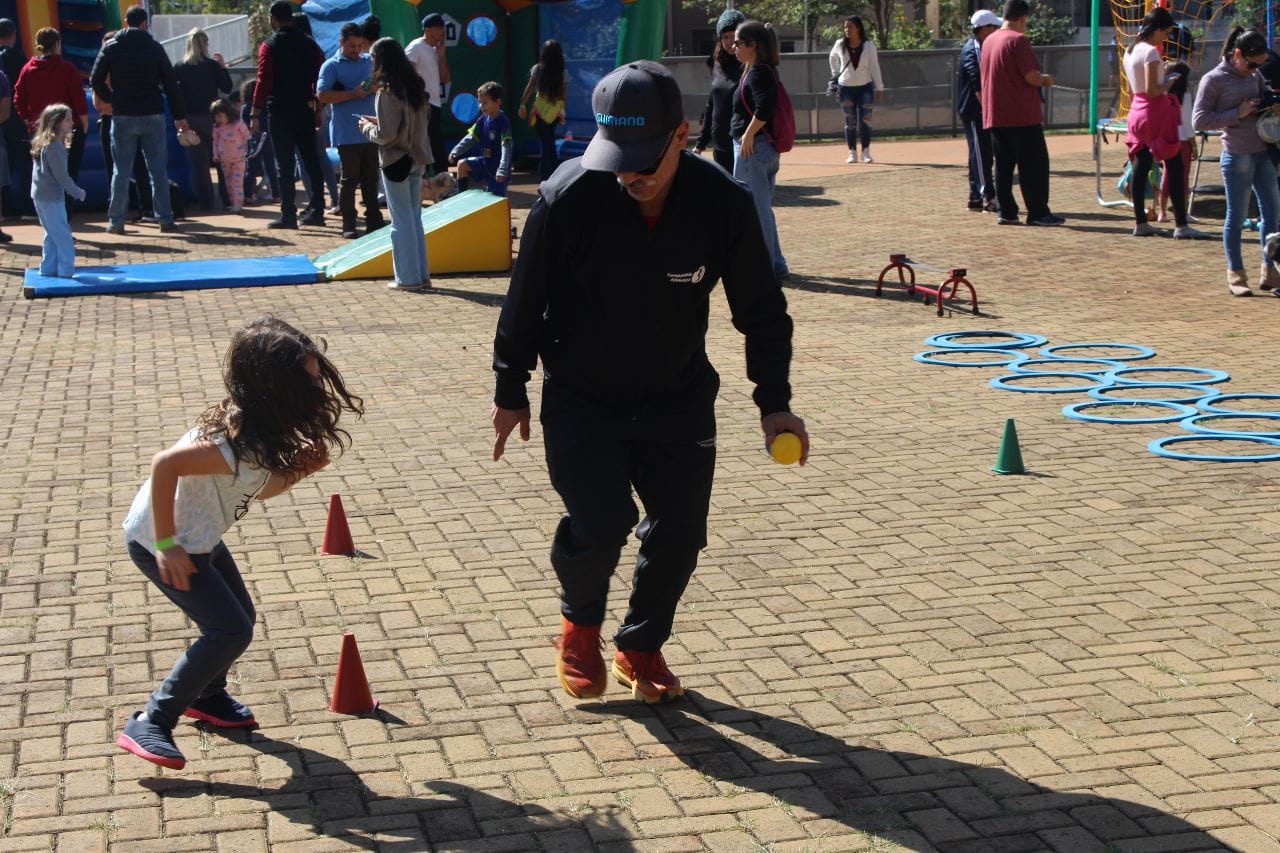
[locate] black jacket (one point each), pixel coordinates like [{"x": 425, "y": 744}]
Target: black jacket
[
  {"x": 969, "y": 82},
  {"x": 718, "y": 111},
  {"x": 618, "y": 312},
  {"x": 11, "y": 61},
  {"x": 202, "y": 82},
  {"x": 139, "y": 68},
  {"x": 288, "y": 65}
]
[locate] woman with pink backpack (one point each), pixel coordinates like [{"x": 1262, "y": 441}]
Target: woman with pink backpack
[{"x": 763, "y": 127}]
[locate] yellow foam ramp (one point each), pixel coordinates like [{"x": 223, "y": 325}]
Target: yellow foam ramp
[{"x": 469, "y": 232}]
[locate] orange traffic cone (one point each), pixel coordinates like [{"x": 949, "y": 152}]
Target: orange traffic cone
[
  {"x": 351, "y": 689},
  {"x": 337, "y": 535}
]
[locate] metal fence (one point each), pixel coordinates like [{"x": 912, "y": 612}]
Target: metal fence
[
  {"x": 919, "y": 96},
  {"x": 228, "y": 35}
]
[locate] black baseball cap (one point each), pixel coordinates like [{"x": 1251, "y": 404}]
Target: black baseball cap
[
  {"x": 435, "y": 19},
  {"x": 637, "y": 106}
]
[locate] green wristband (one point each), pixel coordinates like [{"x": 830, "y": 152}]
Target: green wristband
[{"x": 165, "y": 544}]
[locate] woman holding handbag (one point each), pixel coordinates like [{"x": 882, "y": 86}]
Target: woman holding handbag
[
  {"x": 856, "y": 73},
  {"x": 404, "y": 151}
]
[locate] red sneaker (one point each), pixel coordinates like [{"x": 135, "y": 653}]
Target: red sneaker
[
  {"x": 580, "y": 664},
  {"x": 647, "y": 675}
]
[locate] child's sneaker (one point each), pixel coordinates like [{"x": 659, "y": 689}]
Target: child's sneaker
[
  {"x": 647, "y": 675},
  {"x": 223, "y": 711},
  {"x": 150, "y": 742}
]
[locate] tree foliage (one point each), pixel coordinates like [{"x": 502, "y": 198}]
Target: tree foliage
[
  {"x": 1045, "y": 26},
  {"x": 259, "y": 25},
  {"x": 878, "y": 14}
]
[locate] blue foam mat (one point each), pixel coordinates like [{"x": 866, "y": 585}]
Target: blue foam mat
[{"x": 174, "y": 275}]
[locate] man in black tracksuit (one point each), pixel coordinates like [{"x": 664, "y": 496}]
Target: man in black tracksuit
[
  {"x": 612, "y": 290},
  {"x": 288, "y": 67}
]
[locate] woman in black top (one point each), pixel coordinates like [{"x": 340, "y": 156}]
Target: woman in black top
[
  {"x": 726, "y": 72},
  {"x": 203, "y": 79},
  {"x": 755, "y": 160}
]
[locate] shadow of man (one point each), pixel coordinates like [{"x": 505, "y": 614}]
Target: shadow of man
[
  {"x": 328, "y": 798},
  {"x": 902, "y": 796}
]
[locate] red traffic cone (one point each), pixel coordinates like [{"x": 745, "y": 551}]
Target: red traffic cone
[
  {"x": 337, "y": 535},
  {"x": 351, "y": 689}
]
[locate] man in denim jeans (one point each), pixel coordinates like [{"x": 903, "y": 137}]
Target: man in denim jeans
[{"x": 129, "y": 74}]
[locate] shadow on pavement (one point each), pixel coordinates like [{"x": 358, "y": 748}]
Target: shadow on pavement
[
  {"x": 801, "y": 195},
  {"x": 965, "y": 808},
  {"x": 326, "y": 797}
]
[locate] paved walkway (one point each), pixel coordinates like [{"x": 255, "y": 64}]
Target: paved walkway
[{"x": 892, "y": 648}]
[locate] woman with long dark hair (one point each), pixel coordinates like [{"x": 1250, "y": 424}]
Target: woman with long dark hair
[
  {"x": 1154, "y": 116},
  {"x": 856, "y": 68},
  {"x": 726, "y": 72},
  {"x": 755, "y": 159},
  {"x": 547, "y": 85},
  {"x": 404, "y": 152},
  {"x": 1228, "y": 99}
]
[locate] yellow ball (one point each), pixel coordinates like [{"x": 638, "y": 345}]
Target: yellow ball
[{"x": 786, "y": 448}]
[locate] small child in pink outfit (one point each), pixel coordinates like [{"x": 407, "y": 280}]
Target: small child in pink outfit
[{"x": 230, "y": 150}]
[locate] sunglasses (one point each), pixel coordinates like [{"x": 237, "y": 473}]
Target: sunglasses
[
  {"x": 1252, "y": 66},
  {"x": 658, "y": 163}
]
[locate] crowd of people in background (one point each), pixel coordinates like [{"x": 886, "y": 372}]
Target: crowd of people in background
[{"x": 281, "y": 124}]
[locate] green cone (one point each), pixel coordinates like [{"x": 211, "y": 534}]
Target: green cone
[{"x": 1009, "y": 460}]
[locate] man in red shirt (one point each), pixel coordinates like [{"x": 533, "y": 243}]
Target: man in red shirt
[{"x": 1013, "y": 111}]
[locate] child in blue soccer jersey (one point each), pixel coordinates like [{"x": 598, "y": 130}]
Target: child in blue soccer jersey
[{"x": 492, "y": 131}]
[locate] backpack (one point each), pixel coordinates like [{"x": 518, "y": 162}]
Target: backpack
[{"x": 784, "y": 115}]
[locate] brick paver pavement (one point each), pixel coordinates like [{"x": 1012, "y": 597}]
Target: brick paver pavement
[{"x": 892, "y": 648}]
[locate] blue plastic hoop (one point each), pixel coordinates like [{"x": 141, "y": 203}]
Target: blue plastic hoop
[
  {"x": 1009, "y": 357},
  {"x": 1212, "y": 404},
  {"x": 1017, "y": 340},
  {"x": 1117, "y": 376},
  {"x": 1159, "y": 447},
  {"x": 1003, "y": 383},
  {"x": 1192, "y": 424},
  {"x": 1024, "y": 366},
  {"x": 1076, "y": 411},
  {"x": 1140, "y": 352},
  {"x": 1199, "y": 392}
]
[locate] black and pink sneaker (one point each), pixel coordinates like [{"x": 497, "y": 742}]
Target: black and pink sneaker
[
  {"x": 223, "y": 711},
  {"x": 151, "y": 742}
]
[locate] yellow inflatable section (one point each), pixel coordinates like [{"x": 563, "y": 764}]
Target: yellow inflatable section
[{"x": 470, "y": 232}]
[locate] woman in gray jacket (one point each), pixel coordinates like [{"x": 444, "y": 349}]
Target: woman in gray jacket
[
  {"x": 404, "y": 152},
  {"x": 1228, "y": 100}
]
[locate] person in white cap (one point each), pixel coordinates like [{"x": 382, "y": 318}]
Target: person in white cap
[
  {"x": 612, "y": 290},
  {"x": 982, "y": 185}
]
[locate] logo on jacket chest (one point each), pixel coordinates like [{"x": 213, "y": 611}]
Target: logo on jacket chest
[{"x": 694, "y": 277}]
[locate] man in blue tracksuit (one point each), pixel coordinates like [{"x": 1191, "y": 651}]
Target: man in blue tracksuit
[
  {"x": 982, "y": 186},
  {"x": 612, "y": 291}
]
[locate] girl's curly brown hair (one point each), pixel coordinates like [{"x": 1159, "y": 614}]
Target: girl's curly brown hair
[{"x": 276, "y": 413}]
